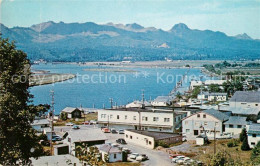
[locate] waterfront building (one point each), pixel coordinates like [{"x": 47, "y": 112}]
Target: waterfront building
[
  {"x": 161, "y": 101},
  {"x": 204, "y": 123},
  {"x": 72, "y": 112},
  {"x": 151, "y": 119}
]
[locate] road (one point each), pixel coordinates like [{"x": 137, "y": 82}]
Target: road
[{"x": 156, "y": 158}]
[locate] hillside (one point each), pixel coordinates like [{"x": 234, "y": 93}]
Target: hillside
[{"x": 113, "y": 42}]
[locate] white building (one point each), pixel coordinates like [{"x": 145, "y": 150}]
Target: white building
[
  {"x": 162, "y": 101},
  {"x": 145, "y": 119},
  {"x": 114, "y": 154},
  {"x": 235, "y": 124},
  {"x": 40, "y": 124},
  {"x": 245, "y": 99},
  {"x": 149, "y": 139},
  {"x": 194, "y": 84},
  {"x": 91, "y": 136},
  {"x": 253, "y": 134},
  {"x": 204, "y": 122},
  {"x": 212, "y": 96},
  {"x": 214, "y": 82},
  {"x": 138, "y": 104}
]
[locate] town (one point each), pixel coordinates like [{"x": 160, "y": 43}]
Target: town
[{"x": 184, "y": 128}]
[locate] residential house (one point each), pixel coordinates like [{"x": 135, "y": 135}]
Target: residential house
[
  {"x": 251, "y": 113},
  {"x": 235, "y": 124},
  {"x": 161, "y": 101},
  {"x": 113, "y": 153},
  {"x": 253, "y": 134},
  {"x": 72, "y": 112},
  {"x": 40, "y": 124},
  {"x": 91, "y": 136},
  {"x": 204, "y": 122},
  {"x": 150, "y": 119},
  {"x": 245, "y": 99},
  {"x": 149, "y": 139},
  {"x": 212, "y": 96}
]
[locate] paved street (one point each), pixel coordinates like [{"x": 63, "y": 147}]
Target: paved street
[{"x": 156, "y": 158}]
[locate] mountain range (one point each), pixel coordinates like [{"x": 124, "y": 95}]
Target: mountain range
[{"x": 115, "y": 42}]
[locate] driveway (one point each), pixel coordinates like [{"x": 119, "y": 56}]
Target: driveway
[{"x": 156, "y": 158}]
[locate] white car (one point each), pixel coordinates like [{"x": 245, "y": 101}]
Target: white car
[
  {"x": 134, "y": 155},
  {"x": 121, "y": 131},
  {"x": 141, "y": 157},
  {"x": 70, "y": 124},
  {"x": 175, "y": 159}
]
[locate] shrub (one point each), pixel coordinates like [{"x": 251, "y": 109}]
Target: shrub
[
  {"x": 245, "y": 145},
  {"x": 163, "y": 144}
]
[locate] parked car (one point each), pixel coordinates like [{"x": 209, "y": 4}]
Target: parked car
[
  {"x": 86, "y": 123},
  {"x": 106, "y": 130},
  {"x": 142, "y": 157},
  {"x": 56, "y": 139},
  {"x": 75, "y": 127},
  {"x": 102, "y": 127},
  {"x": 121, "y": 141},
  {"x": 171, "y": 156},
  {"x": 93, "y": 122},
  {"x": 121, "y": 131},
  {"x": 133, "y": 156},
  {"x": 113, "y": 131},
  {"x": 69, "y": 124},
  {"x": 174, "y": 160}
]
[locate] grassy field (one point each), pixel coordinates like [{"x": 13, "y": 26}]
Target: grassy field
[
  {"x": 88, "y": 117},
  {"x": 204, "y": 152}
]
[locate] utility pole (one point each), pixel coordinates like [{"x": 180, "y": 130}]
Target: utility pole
[
  {"x": 143, "y": 105},
  {"x": 51, "y": 118},
  {"x": 214, "y": 140}
]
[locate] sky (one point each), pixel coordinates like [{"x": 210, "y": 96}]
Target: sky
[{"x": 229, "y": 16}]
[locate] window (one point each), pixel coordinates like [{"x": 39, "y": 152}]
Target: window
[
  {"x": 252, "y": 143},
  {"x": 204, "y": 115},
  {"x": 117, "y": 116},
  {"x": 205, "y": 123},
  {"x": 134, "y": 118},
  {"x": 253, "y": 135},
  {"x": 69, "y": 140},
  {"x": 111, "y": 116},
  {"x": 197, "y": 123},
  {"x": 144, "y": 118},
  {"x": 126, "y": 136},
  {"x": 155, "y": 119},
  {"x": 166, "y": 119},
  {"x": 103, "y": 115},
  {"x": 114, "y": 156},
  {"x": 187, "y": 130},
  {"x": 131, "y": 137},
  {"x": 125, "y": 116},
  {"x": 239, "y": 126},
  {"x": 256, "y": 104},
  {"x": 150, "y": 142},
  {"x": 196, "y": 132},
  {"x": 186, "y": 122},
  {"x": 231, "y": 126},
  {"x": 198, "y": 115},
  {"x": 216, "y": 124}
]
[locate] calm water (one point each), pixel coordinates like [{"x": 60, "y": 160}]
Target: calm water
[{"x": 95, "y": 88}]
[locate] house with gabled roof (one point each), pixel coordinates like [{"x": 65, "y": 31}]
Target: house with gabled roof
[
  {"x": 253, "y": 134},
  {"x": 72, "y": 112},
  {"x": 245, "y": 99},
  {"x": 205, "y": 122},
  {"x": 235, "y": 124},
  {"x": 113, "y": 153}
]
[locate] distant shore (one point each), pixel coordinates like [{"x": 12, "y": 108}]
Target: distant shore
[
  {"x": 109, "y": 70},
  {"x": 43, "y": 79}
]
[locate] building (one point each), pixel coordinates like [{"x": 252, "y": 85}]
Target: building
[
  {"x": 40, "y": 124},
  {"x": 247, "y": 111},
  {"x": 56, "y": 160},
  {"x": 113, "y": 153},
  {"x": 235, "y": 124},
  {"x": 194, "y": 84},
  {"x": 214, "y": 82},
  {"x": 205, "y": 122},
  {"x": 212, "y": 96},
  {"x": 161, "y": 101},
  {"x": 245, "y": 99},
  {"x": 93, "y": 136},
  {"x": 150, "y": 119},
  {"x": 149, "y": 139},
  {"x": 72, "y": 112},
  {"x": 253, "y": 134},
  {"x": 138, "y": 104}
]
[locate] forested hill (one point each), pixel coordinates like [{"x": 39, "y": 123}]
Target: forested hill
[{"x": 115, "y": 42}]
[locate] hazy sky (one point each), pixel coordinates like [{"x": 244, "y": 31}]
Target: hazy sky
[{"x": 230, "y": 16}]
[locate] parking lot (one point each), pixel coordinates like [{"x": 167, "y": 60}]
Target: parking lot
[{"x": 155, "y": 157}]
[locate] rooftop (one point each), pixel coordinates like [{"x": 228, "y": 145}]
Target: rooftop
[
  {"x": 155, "y": 135},
  {"x": 56, "y": 160},
  {"x": 244, "y": 111},
  {"x": 246, "y": 96},
  {"x": 86, "y": 135},
  {"x": 215, "y": 94},
  {"x": 69, "y": 109},
  {"x": 162, "y": 99},
  {"x": 217, "y": 114},
  {"x": 40, "y": 122},
  {"x": 254, "y": 128},
  {"x": 109, "y": 149},
  {"x": 146, "y": 109},
  {"x": 237, "y": 120}
]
